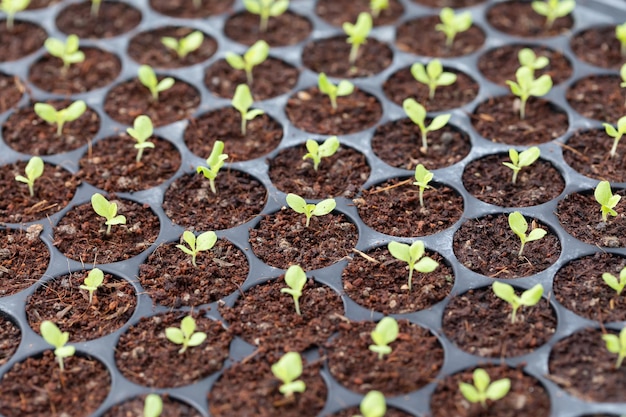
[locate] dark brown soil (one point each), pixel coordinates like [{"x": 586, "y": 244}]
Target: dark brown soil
[
  {"x": 336, "y": 12},
  {"x": 10, "y": 337},
  {"x": 416, "y": 352},
  {"x": 113, "y": 19},
  {"x": 286, "y": 29},
  {"x": 588, "y": 152},
  {"x": 11, "y": 90},
  {"x": 135, "y": 407},
  {"x": 489, "y": 246},
  {"x": 598, "y": 46},
  {"x": 498, "y": 120},
  {"x": 170, "y": 279},
  {"x": 598, "y": 97},
  {"x": 23, "y": 259},
  {"x": 393, "y": 208},
  {"x": 281, "y": 239},
  {"x": 519, "y": 19},
  {"x": 24, "y": 39},
  {"x": 490, "y": 181},
  {"x": 455, "y": 4},
  {"x": 63, "y": 302},
  {"x": 39, "y": 4},
  {"x": 354, "y": 411},
  {"x": 143, "y": 350},
  {"x": 185, "y": 9}
]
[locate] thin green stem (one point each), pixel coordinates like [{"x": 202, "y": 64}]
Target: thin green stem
[
  {"x": 410, "y": 277},
  {"x": 354, "y": 52}
]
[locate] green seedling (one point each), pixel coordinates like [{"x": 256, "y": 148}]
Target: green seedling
[
  {"x": 616, "y": 344},
  {"x": 357, "y": 34},
  {"x": 299, "y": 205},
  {"x": 185, "y": 45},
  {"x": 316, "y": 151},
  {"x": 59, "y": 117},
  {"x": 152, "y": 406},
  {"x": 373, "y": 405},
  {"x": 620, "y": 35},
  {"x": 452, "y": 24},
  {"x": 622, "y": 73},
  {"x": 483, "y": 389},
  {"x": 94, "y": 279},
  {"x": 528, "y": 59},
  {"x": 108, "y": 210},
  {"x": 344, "y": 88},
  {"x": 553, "y": 9},
  {"x": 52, "y": 335},
  {"x": 528, "y": 298},
  {"x": 616, "y": 134},
  {"x": 95, "y": 7},
  {"x": 413, "y": 255},
  {"x": 386, "y": 332},
  {"x": 214, "y": 162},
  {"x": 10, "y": 8},
  {"x": 417, "y": 114},
  {"x": 288, "y": 369},
  {"x": 205, "y": 241},
  {"x": 527, "y": 85},
  {"x": 377, "y": 6},
  {"x": 33, "y": 170},
  {"x": 142, "y": 130},
  {"x": 521, "y": 160},
  {"x": 422, "y": 178},
  {"x": 66, "y": 51},
  {"x": 615, "y": 283},
  {"x": 295, "y": 278},
  {"x": 148, "y": 79},
  {"x": 519, "y": 226},
  {"x": 242, "y": 101},
  {"x": 266, "y": 9},
  {"x": 255, "y": 55},
  {"x": 606, "y": 199},
  {"x": 432, "y": 75},
  {"x": 186, "y": 335}
]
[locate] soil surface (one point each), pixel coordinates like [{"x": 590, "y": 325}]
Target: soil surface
[
  {"x": 23, "y": 259},
  {"x": 24, "y": 39},
  {"x": 286, "y": 29},
  {"x": 336, "y": 12},
  {"x": 598, "y": 97},
  {"x": 355, "y": 411},
  {"x": 10, "y": 337},
  {"x": 11, "y": 90},
  {"x": 588, "y": 152},
  {"x": 135, "y": 407},
  {"x": 598, "y": 46},
  {"x": 185, "y": 9},
  {"x": 113, "y": 19},
  {"x": 518, "y": 18},
  {"x": 455, "y": 4}
]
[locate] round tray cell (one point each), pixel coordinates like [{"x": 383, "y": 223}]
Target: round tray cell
[
  {"x": 10, "y": 337},
  {"x": 589, "y": 153},
  {"x": 519, "y": 19},
  {"x": 113, "y": 19},
  {"x": 598, "y": 46},
  {"x": 489, "y": 247},
  {"x": 135, "y": 407},
  {"x": 455, "y": 4},
  {"x": 336, "y": 12},
  {"x": 186, "y": 9},
  {"x": 52, "y": 191},
  {"x": 147, "y": 48},
  {"x": 62, "y": 301},
  {"x": 22, "y": 40},
  {"x": 286, "y": 29},
  {"x": 355, "y": 411},
  {"x": 24, "y": 259},
  {"x": 190, "y": 202},
  {"x": 393, "y": 207},
  {"x": 598, "y": 97},
  {"x": 11, "y": 90},
  {"x": 379, "y": 282}
]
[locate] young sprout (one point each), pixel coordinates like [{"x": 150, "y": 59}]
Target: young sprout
[
  {"x": 185, "y": 45},
  {"x": 295, "y": 278},
  {"x": 616, "y": 344},
  {"x": 59, "y": 117},
  {"x": 142, "y": 129},
  {"x": 432, "y": 75},
  {"x": 483, "y": 389},
  {"x": 66, "y": 51},
  {"x": 377, "y": 6},
  {"x": 519, "y": 226},
  {"x": 95, "y": 7},
  {"x": 108, "y": 210},
  {"x": 521, "y": 160},
  {"x": 10, "y": 8},
  {"x": 214, "y": 162},
  {"x": 255, "y": 55},
  {"x": 242, "y": 100},
  {"x": 615, "y": 283},
  {"x": 417, "y": 114},
  {"x": 622, "y": 73},
  {"x": 266, "y": 9},
  {"x": 373, "y": 405},
  {"x": 606, "y": 199},
  {"x": 186, "y": 335},
  {"x": 451, "y": 24},
  {"x": 299, "y": 205},
  {"x": 33, "y": 170},
  {"x": 94, "y": 279},
  {"x": 386, "y": 332},
  {"x": 317, "y": 151},
  {"x": 357, "y": 34},
  {"x": 527, "y": 86},
  {"x": 152, "y": 406},
  {"x": 528, "y": 298},
  {"x": 620, "y": 34},
  {"x": 344, "y": 88},
  {"x": 616, "y": 134},
  {"x": 148, "y": 78},
  {"x": 51, "y": 334},
  {"x": 413, "y": 255},
  {"x": 422, "y": 178},
  {"x": 527, "y": 58},
  {"x": 205, "y": 241},
  {"x": 553, "y": 9},
  {"x": 288, "y": 369}
]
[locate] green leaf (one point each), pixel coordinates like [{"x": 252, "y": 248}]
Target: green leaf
[
  {"x": 329, "y": 147},
  {"x": 503, "y": 291},
  {"x": 518, "y": 223},
  {"x": 426, "y": 265},
  {"x": 344, "y": 88},
  {"x": 288, "y": 368},
  {"x": 415, "y": 111},
  {"x": 165, "y": 84},
  {"x": 439, "y": 122},
  {"x": 94, "y": 278},
  {"x": 153, "y": 406},
  {"x": 469, "y": 392},
  {"x": 297, "y": 203},
  {"x": 242, "y": 100},
  {"x": 206, "y": 241},
  {"x": 498, "y": 389},
  {"x": 295, "y": 278},
  {"x": 175, "y": 335},
  {"x": 257, "y": 53},
  {"x": 531, "y": 296},
  {"x": 235, "y": 61},
  {"x": 419, "y": 73},
  {"x": 373, "y": 404},
  {"x": 188, "y": 325},
  {"x": 46, "y": 111},
  {"x": 541, "y": 86},
  {"x": 481, "y": 379},
  {"x": 253, "y": 6},
  {"x": 34, "y": 168},
  {"x": 102, "y": 206},
  {"x": 196, "y": 339},
  {"x": 75, "y": 110},
  {"x": 529, "y": 156},
  {"x": 324, "y": 207},
  {"x": 142, "y": 128},
  {"x": 386, "y": 331},
  {"x": 147, "y": 77},
  {"x": 53, "y": 335},
  {"x": 279, "y": 7},
  {"x": 399, "y": 251},
  {"x": 536, "y": 234}
]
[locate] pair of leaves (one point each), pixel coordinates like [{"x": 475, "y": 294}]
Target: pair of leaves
[
  {"x": 255, "y": 55},
  {"x": 108, "y": 210},
  {"x": 142, "y": 129},
  {"x": 299, "y": 205},
  {"x": 54, "y": 336},
  {"x": 34, "y": 170},
  {"x": 422, "y": 178},
  {"x": 553, "y": 9},
  {"x": 344, "y": 88},
  {"x": 59, "y": 117},
  {"x": 317, "y": 151},
  {"x": 266, "y": 9},
  {"x": 432, "y": 75},
  {"x": 616, "y": 134},
  {"x": 385, "y": 333},
  {"x": 607, "y": 200},
  {"x": 205, "y": 241},
  {"x": 616, "y": 344},
  {"x": 295, "y": 278},
  {"x": 186, "y": 335},
  {"x": 528, "y": 298},
  {"x": 215, "y": 161},
  {"x": 519, "y": 226},
  {"x": 527, "y": 86},
  {"x": 527, "y": 58},
  {"x": 417, "y": 114},
  {"x": 185, "y": 45},
  {"x": 288, "y": 369},
  {"x": 373, "y": 404},
  {"x": 483, "y": 389},
  {"x": 66, "y": 51},
  {"x": 94, "y": 279},
  {"x": 615, "y": 283},
  {"x": 148, "y": 78},
  {"x": 521, "y": 160},
  {"x": 413, "y": 255},
  {"x": 451, "y": 24},
  {"x": 242, "y": 101}
]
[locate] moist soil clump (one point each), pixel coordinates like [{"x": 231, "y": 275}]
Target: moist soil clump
[
  {"x": 24, "y": 259},
  {"x": 286, "y": 29},
  {"x": 598, "y": 97},
  {"x": 24, "y": 39},
  {"x": 113, "y": 19},
  {"x": 588, "y": 152}
]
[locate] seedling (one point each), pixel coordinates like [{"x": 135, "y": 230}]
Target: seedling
[
  {"x": 288, "y": 369},
  {"x": 59, "y": 117},
  {"x": 142, "y": 129},
  {"x": 432, "y": 75},
  {"x": 357, "y": 34},
  {"x": 205, "y": 241},
  {"x": 528, "y": 298},
  {"x": 607, "y": 200},
  {"x": 527, "y": 86},
  {"x": 186, "y": 335},
  {"x": 620, "y": 34},
  {"x": 373, "y": 405},
  {"x": 94, "y": 279},
  {"x": 553, "y": 9},
  {"x": 255, "y": 55},
  {"x": 616, "y": 134},
  {"x": 10, "y": 8},
  {"x": 95, "y": 7},
  {"x": 615, "y": 283},
  {"x": 214, "y": 162},
  {"x": 452, "y": 24},
  {"x": 152, "y": 406},
  {"x": 317, "y": 151},
  {"x": 377, "y": 6},
  {"x": 483, "y": 389},
  {"x": 33, "y": 170},
  {"x": 242, "y": 100},
  {"x": 185, "y": 45},
  {"x": 295, "y": 278},
  {"x": 299, "y": 205},
  {"x": 344, "y": 88},
  {"x": 622, "y": 73},
  {"x": 417, "y": 114},
  {"x": 66, "y": 51},
  {"x": 422, "y": 178},
  {"x": 108, "y": 210},
  {"x": 521, "y": 160},
  {"x": 616, "y": 344},
  {"x": 527, "y": 58},
  {"x": 519, "y": 226},
  {"x": 413, "y": 255},
  {"x": 52, "y": 335},
  {"x": 148, "y": 78},
  {"x": 266, "y": 9},
  {"x": 386, "y": 332}
]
